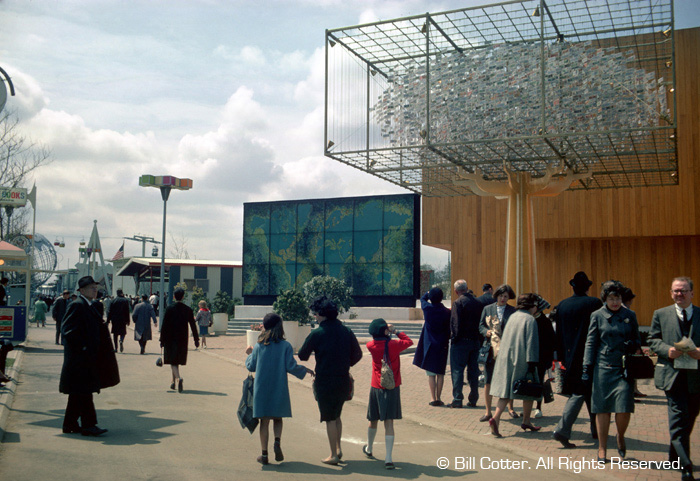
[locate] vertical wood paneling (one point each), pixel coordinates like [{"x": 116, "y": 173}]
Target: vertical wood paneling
[{"x": 643, "y": 237}]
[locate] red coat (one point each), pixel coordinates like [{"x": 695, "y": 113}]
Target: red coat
[{"x": 376, "y": 348}]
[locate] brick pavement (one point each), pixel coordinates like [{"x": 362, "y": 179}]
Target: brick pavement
[{"x": 647, "y": 436}]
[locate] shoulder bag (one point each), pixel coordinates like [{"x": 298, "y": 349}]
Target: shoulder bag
[{"x": 386, "y": 379}]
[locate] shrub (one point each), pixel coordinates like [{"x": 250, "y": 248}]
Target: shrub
[
  {"x": 221, "y": 302},
  {"x": 335, "y": 289},
  {"x": 292, "y": 306}
]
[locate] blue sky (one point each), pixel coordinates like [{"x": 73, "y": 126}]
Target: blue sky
[{"x": 228, "y": 93}]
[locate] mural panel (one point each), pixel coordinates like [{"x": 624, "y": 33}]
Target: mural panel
[{"x": 370, "y": 242}]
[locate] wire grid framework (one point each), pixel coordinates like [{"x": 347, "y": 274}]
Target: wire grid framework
[{"x": 589, "y": 85}]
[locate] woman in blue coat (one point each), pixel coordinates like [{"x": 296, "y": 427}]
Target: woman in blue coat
[
  {"x": 431, "y": 353},
  {"x": 271, "y": 359}
]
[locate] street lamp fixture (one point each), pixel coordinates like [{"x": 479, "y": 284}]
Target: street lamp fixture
[{"x": 165, "y": 183}]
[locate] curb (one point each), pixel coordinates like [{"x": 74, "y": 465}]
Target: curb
[{"x": 7, "y": 395}]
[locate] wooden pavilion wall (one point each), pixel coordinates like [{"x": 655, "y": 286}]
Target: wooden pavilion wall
[{"x": 641, "y": 236}]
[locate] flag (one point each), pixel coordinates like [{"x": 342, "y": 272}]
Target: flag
[{"x": 119, "y": 254}]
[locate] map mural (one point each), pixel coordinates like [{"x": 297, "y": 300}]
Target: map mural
[{"x": 370, "y": 242}]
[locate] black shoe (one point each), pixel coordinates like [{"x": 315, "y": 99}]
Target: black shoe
[
  {"x": 456, "y": 405},
  {"x": 687, "y": 474},
  {"x": 564, "y": 442},
  {"x": 71, "y": 430},
  {"x": 471, "y": 405},
  {"x": 179, "y": 385},
  {"x": 603, "y": 460},
  {"x": 93, "y": 431},
  {"x": 121, "y": 346},
  {"x": 278, "y": 452},
  {"x": 172, "y": 385}
]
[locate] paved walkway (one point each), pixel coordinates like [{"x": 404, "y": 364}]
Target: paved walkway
[{"x": 647, "y": 436}]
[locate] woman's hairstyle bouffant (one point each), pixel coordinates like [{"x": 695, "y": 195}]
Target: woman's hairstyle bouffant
[
  {"x": 504, "y": 289},
  {"x": 527, "y": 301},
  {"x": 611, "y": 288},
  {"x": 324, "y": 307}
]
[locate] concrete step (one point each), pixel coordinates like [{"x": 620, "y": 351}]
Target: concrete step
[{"x": 359, "y": 327}]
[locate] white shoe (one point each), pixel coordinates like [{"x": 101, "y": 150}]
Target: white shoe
[{"x": 537, "y": 413}]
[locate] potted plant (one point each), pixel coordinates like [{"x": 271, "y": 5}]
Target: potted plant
[
  {"x": 219, "y": 308},
  {"x": 294, "y": 309}
]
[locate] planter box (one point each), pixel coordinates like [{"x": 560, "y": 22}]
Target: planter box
[
  {"x": 296, "y": 334},
  {"x": 220, "y": 323},
  {"x": 251, "y": 337}
]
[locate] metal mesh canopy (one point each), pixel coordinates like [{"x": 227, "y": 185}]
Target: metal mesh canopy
[{"x": 586, "y": 85}]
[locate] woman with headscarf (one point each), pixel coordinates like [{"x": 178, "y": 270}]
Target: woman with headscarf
[
  {"x": 612, "y": 333},
  {"x": 336, "y": 349},
  {"x": 517, "y": 358},
  {"x": 433, "y": 345},
  {"x": 384, "y": 403}
]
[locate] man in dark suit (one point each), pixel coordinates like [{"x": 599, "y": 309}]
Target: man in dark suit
[
  {"x": 681, "y": 383},
  {"x": 572, "y": 317},
  {"x": 119, "y": 315},
  {"x": 487, "y": 297},
  {"x": 466, "y": 341},
  {"x": 86, "y": 362},
  {"x": 58, "y": 312}
]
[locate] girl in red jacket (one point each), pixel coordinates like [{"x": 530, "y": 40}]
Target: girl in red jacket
[{"x": 384, "y": 404}]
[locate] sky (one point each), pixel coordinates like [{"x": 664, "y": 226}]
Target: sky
[{"x": 228, "y": 93}]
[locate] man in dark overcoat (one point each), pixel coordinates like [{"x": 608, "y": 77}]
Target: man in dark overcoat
[
  {"x": 143, "y": 315},
  {"x": 572, "y": 317},
  {"x": 487, "y": 297},
  {"x": 119, "y": 315},
  {"x": 466, "y": 341},
  {"x": 88, "y": 361},
  {"x": 58, "y": 312},
  {"x": 680, "y": 382}
]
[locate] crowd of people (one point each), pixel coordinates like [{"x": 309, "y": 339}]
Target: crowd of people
[{"x": 592, "y": 338}]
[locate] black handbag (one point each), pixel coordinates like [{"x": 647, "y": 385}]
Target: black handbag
[
  {"x": 638, "y": 366},
  {"x": 529, "y": 386},
  {"x": 245, "y": 407},
  {"x": 547, "y": 391},
  {"x": 484, "y": 351}
]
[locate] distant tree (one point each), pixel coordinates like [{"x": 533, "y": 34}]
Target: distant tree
[
  {"x": 19, "y": 157},
  {"x": 178, "y": 249}
]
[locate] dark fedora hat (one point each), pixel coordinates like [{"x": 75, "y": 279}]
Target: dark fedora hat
[
  {"x": 580, "y": 280},
  {"x": 86, "y": 281}
]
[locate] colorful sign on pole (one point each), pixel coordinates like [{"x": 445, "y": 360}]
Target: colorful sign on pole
[{"x": 15, "y": 197}]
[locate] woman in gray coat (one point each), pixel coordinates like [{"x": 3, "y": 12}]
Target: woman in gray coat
[
  {"x": 612, "y": 333},
  {"x": 517, "y": 357}
]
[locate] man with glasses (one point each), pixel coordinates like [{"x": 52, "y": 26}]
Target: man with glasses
[{"x": 677, "y": 371}]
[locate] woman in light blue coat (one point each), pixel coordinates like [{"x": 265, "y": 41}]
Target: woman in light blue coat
[{"x": 271, "y": 359}]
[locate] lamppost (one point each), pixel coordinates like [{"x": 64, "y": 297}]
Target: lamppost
[{"x": 165, "y": 183}]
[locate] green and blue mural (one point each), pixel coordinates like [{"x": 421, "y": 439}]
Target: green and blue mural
[{"x": 373, "y": 243}]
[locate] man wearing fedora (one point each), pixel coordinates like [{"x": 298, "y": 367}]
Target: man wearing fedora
[
  {"x": 89, "y": 363},
  {"x": 676, "y": 372},
  {"x": 572, "y": 317}
]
